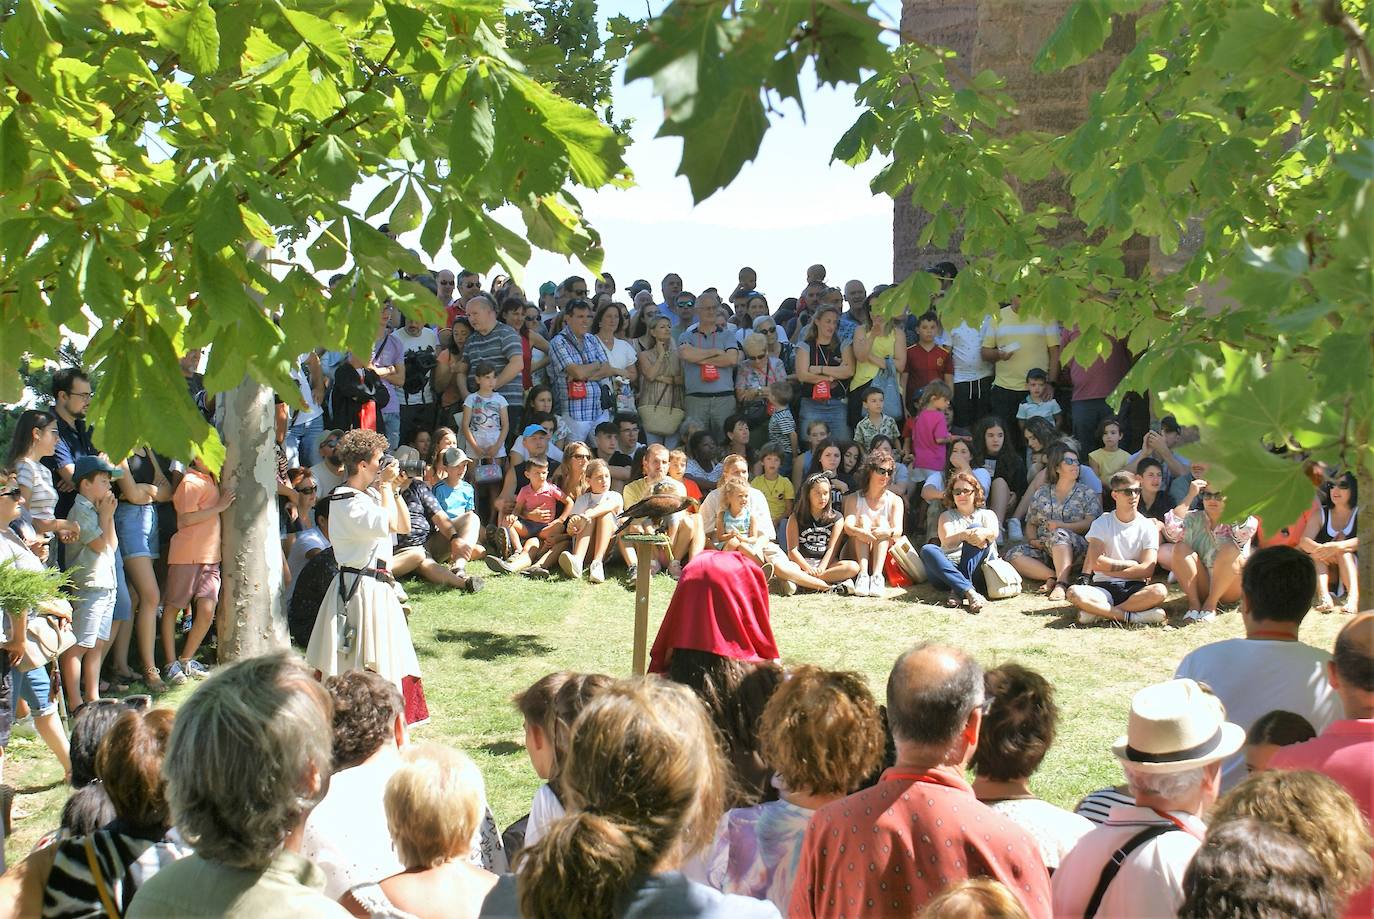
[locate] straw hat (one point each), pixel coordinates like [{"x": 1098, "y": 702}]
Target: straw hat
[{"x": 1176, "y": 726}]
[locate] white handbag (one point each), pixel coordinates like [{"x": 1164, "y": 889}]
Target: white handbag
[
  {"x": 1002, "y": 579},
  {"x": 908, "y": 559}
]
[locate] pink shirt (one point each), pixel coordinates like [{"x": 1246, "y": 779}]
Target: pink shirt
[
  {"x": 547, "y": 497},
  {"x": 1098, "y": 379},
  {"x": 1343, "y": 752},
  {"x": 926, "y": 451}
]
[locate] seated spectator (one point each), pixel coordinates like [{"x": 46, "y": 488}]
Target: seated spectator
[
  {"x": 247, "y": 761},
  {"x": 774, "y": 486},
  {"x": 1333, "y": 543},
  {"x": 1122, "y": 549},
  {"x": 684, "y": 532},
  {"x": 967, "y": 534},
  {"x": 1317, "y": 812},
  {"x": 819, "y": 533},
  {"x": 329, "y": 471},
  {"x": 703, "y": 465},
  {"x": 1248, "y": 868},
  {"x": 537, "y": 505},
  {"x": 590, "y": 524},
  {"x": 1271, "y": 731},
  {"x": 458, "y": 500},
  {"x": 921, "y": 820},
  {"x": 736, "y": 527},
  {"x": 902, "y": 485},
  {"x": 817, "y": 433},
  {"x": 817, "y": 760},
  {"x": 410, "y": 554},
  {"x": 1060, "y": 513},
  {"x": 1160, "y": 445},
  {"x": 1269, "y": 668},
  {"x": 1018, "y": 731},
  {"x": 993, "y": 452},
  {"x": 1208, "y": 552},
  {"x": 827, "y": 457},
  {"x": 644, "y": 783},
  {"x": 978, "y": 898},
  {"x": 1109, "y": 458},
  {"x": 677, "y": 470},
  {"x": 98, "y": 874},
  {"x": 1344, "y": 751},
  {"x": 873, "y": 519},
  {"x": 1175, "y": 741},
  {"x": 549, "y": 708},
  {"x": 432, "y": 811}
]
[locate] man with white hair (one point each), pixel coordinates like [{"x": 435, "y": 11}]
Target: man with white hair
[{"x": 1132, "y": 866}]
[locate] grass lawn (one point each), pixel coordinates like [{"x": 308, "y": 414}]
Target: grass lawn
[{"x": 477, "y": 651}]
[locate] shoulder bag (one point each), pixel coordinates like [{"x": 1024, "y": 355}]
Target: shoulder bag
[
  {"x": 659, "y": 419},
  {"x": 45, "y": 639}
]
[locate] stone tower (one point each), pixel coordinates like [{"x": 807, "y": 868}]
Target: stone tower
[{"x": 1005, "y": 36}]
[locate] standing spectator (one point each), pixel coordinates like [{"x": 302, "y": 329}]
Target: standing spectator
[
  {"x": 469, "y": 285},
  {"x": 499, "y": 345},
  {"x": 420, "y": 354},
  {"x": 445, "y": 286},
  {"x": 879, "y": 363},
  {"x": 193, "y": 575},
  {"x": 35, "y": 440},
  {"x": 611, "y": 326},
  {"x": 1171, "y": 753},
  {"x": 756, "y": 373},
  {"x": 816, "y": 760},
  {"x": 307, "y": 418},
  {"x": 671, "y": 287},
  {"x": 92, "y": 562},
  {"x": 1250, "y": 868},
  {"x": 1161, "y": 445},
  {"x": 825, "y": 365},
  {"x": 486, "y": 418},
  {"x": 247, "y": 761},
  {"x": 1344, "y": 751},
  {"x": 920, "y": 821},
  {"x": 71, "y": 391},
  {"x": 1269, "y": 668},
  {"x": 1018, "y": 731},
  {"x": 660, "y": 387},
  {"x": 578, "y": 364},
  {"x": 972, "y": 373},
  {"x": 329, "y": 471},
  {"x": 1016, "y": 345},
  {"x": 389, "y": 363},
  {"x": 1092, "y": 384},
  {"x": 1122, "y": 548},
  {"x": 927, "y": 361},
  {"x": 709, "y": 355},
  {"x": 142, "y": 490}
]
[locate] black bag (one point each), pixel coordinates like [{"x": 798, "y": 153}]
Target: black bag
[{"x": 419, "y": 367}]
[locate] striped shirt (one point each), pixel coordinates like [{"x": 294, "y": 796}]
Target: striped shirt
[
  {"x": 1031, "y": 340},
  {"x": 124, "y": 861},
  {"x": 497, "y": 347},
  {"x": 34, "y": 476}
]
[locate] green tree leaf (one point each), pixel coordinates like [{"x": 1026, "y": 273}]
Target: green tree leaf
[
  {"x": 405, "y": 216},
  {"x": 333, "y": 164},
  {"x": 321, "y": 35},
  {"x": 14, "y": 154},
  {"x": 200, "y": 48}
]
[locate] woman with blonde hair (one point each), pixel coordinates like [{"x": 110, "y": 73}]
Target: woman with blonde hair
[
  {"x": 975, "y": 898},
  {"x": 433, "y": 811},
  {"x": 644, "y": 782},
  {"x": 1316, "y": 810}
]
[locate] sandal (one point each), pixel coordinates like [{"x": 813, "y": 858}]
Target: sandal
[
  {"x": 1057, "y": 593},
  {"x": 153, "y": 680},
  {"x": 1325, "y": 604},
  {"x": 976, "y": 602},
  {"x": 953, "y": 601},
  {"x": 1046, "y": 587}
]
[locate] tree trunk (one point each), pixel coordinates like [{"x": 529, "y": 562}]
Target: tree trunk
[{"x": 1364, "y": 527}]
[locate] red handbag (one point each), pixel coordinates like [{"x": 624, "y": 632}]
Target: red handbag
[{"x": 896, "y": 577}]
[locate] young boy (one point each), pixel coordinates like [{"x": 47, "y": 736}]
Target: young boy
[
  {"x": 91, "y": 564},
  {"x": 1111, "y": 457},
  {"x": 486, "y": 420},
  {"x": 539, "y": 494},
  {"x": 193, "y": 568},
  {"x": 1040, "y": 401},
  {"x": 607, "y": 437},
  {"x": 874, "y": 422},
  {"x": 677, "y": 469},
  {"x": 782, "y": 427},
  {"x": 776, "y": 487},
  {"x": 925, "y": 360}
]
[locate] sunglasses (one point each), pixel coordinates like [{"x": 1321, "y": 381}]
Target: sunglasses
[
  {"x": 887, "y": 471},
  {"x": 306, "y": 491},
  {"x": 472, "y": 286},
  {"x": 1213, "y": 496},
  {"x": 1070, "y": 461},
  {"x": 1128, "y": 491},
  {"x": 963, "y": 491},
  {"x": 585, "y": 456},
  {"x": 10, "y": 492}
]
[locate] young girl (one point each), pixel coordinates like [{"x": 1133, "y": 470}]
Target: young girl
[
  {"x": 1111, "y": 457},
  {"x": 540, "y": 399},
  {"x": 928, "y": 432},
  {"x": 677, "y": 469},
  {"x": 1039, "y": 434},
  {"x": 817, "y": 432},
  {"x": 486, "y": 421},
  {"x": 820, "y": 533},
  {"x": 590, "y": 524},
  {"x": 826, "y": 458},
  {"x": 549, "y": 708},
  {"x": 736, "y": 528},
  {"x": 850, "y": 455},
  {"x": 1040, "y": 401},
  {"x": 774, "y": 487}
]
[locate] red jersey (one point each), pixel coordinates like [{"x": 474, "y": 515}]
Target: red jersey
[{"x": 923, "y": 366}]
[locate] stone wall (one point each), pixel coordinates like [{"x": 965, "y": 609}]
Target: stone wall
[{"x": 1005, "y": 36}]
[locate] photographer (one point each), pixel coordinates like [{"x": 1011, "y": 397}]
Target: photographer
[
  {"x": 426, "y": 516},
  {"x": 420, "y": 346}
]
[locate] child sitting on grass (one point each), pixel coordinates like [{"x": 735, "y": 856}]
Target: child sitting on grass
[
  {"x": 590, "y": 525},
  {"x": 776, "y": 487},
  {"x": 736, "y": 528},
  {"x": 539, "y": 494}
]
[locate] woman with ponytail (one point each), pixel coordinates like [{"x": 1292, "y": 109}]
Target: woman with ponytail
[{"x": 644, "y": 782}]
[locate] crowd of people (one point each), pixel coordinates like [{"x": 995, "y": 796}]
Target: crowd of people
[{"x": 819, "y": 446}]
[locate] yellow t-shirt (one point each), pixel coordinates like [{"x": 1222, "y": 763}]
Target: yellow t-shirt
[
  {"x": 778, "y": 492},
  {"x": 1104, "y": 463},
  {"x": 1031, "y": 340}
]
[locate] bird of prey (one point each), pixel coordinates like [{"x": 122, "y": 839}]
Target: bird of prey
[{"x": 656, "y": 508}]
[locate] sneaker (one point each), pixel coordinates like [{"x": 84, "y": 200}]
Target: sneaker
[
  {"x": 571, "y": 566},
  {"x": 184, "y": 626},
  {"x": 846, "y": 587},
  {"x": 861, "y": 586},
  {"x": 1014, "y": 532},
  {"x": 498, "y": 564},
  {"x": 1087, "y": 618},
  {"x": 473, "y": 584},
  {"x": 24, "y": 727},
  {"x": 596, "y": 573},
  {"x": 1197, "y": 615},
  {"x": 175, "y": 675},
  {"x": 196, "y": 670},
  {"x": 632, "y": 573},
  {"x": 876, "y": 585},
  {"x": 1154, "y": 616},
  {"x": 786, "y": 588}
]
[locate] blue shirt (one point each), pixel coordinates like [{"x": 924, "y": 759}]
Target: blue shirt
[
  {"x": 563, "y": 352},
  {"x": 456, "y": 501},
  {"x": 72, "y": 444}
]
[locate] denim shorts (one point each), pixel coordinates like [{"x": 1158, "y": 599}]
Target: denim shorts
[
  {"x": 92, "y": 615},
  {"x": 35, "y": 688},
  {"x": 136, "y": 526}
]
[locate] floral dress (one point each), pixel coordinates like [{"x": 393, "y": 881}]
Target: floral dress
[
  {"x": 1082, "y": 503},
  {"x": 1195, "y": 530}
]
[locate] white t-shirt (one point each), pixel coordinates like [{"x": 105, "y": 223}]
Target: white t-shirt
[
  {"x": 545, "y": 809},
  {"x": 312, "y": 409},
  {"x": 966, "y": 343},
  {"x": 1055, "y": 830},
  {"x": 426, "y": 340},
  {"x": 1126, "y": 541},
  {"x": 1253, "y": 677},
  {"x": 486, "y": 418},
  {"x": 621, "y": 355},
  {"x": 936, "y": 480},
  {"x": 305, "y": 542}
]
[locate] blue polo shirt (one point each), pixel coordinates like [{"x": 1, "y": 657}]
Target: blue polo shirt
[{"x": 72, "y": 444}]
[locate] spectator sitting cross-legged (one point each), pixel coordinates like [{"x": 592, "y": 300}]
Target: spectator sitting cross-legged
[
  {"x": 1122, "y": 548},
  {"x": 427, "y": 517},
  {"x": 590, "y": 523}
]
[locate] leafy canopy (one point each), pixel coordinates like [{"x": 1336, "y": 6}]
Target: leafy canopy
[
  {"x": 1236, "y": 137},
  {"x": 147, "y": 149}
]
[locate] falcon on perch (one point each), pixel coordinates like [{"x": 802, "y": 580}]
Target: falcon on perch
[{"x": 656, "y": 509}]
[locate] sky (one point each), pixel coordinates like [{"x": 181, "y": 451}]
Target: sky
[{"x": 787, "y": 209}]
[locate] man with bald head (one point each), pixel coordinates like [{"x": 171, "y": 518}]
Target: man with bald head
[
  {"x": 888, "y": 850},
  {"x": 1345, "y": 750}
]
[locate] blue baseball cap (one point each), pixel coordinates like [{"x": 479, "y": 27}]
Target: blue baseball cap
[
  {"x": 533, "y": 429},
  {"x": 90, "y": 465}
]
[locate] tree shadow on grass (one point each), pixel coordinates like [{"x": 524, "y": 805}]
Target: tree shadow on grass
[
  {"x": 489, "y": 646},
  {"x": 502, "y": 748}
]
